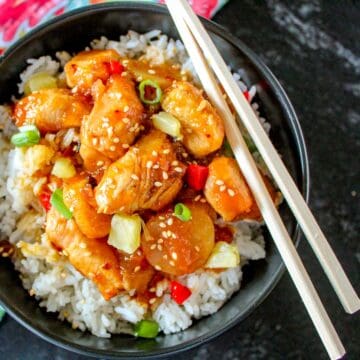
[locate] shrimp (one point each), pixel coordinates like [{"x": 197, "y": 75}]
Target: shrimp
[
  {"x": 87, "y": 67},
  {"x": 202, "y": 127},
  {"x": 94, "y": 258},
  {"x": 113, "y": 124},
  {"x": 226, "y": 189},
  {"x": 51, "y": 110},
  {"x": 148, "y": 176},
  {"x": 78, "y": 196}
]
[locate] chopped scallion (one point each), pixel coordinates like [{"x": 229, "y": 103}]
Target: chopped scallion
[
  {"x": 182, "y": 212},
  {"x": 57, "y": 201},
  {"x": 28, "y": 135},
  {"x": 154, "y": 86},
  {"x": 146, "y": 329},
  {"x": 38, "y": 81},
  {"x": 2, "y": 313}
]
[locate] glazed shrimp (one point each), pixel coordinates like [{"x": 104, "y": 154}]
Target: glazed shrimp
[
  {"x": 202, "y": 127},
  {"x": 148, "y": 176},
  {"x": 94, "y": 258},
  {"x": 113, "y": 124},
  {"x": 51, "y": 110}
]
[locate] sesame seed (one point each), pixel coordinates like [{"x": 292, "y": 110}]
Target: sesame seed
[
  {"x": 175, "y": 163},
  {"x": 139, "y": 78},
  {"x": 112, "y": 148},
  {"x": 149, "y": 164},
  {"x": 202, "y": 105},
  {"x": 157, "y": 267},
  {"x": 125, "y": 146},
  {"x": 159, "y": 247},
  {"x": 116, "y": 140},
  {"x": 152, "y": 301},
  {"x": 135, "y": 150},
  {"x": 153, "y": 247},
  {"x": 162, "y": 225},
  {"x": 178, "y": 169},
  {"x": 174, "y": 255},
  {"x": 219, "y": 182},
  {"x": 105, "y": 125},
  {"x": 151, "y": 71},
  {"x": 154, "y": 153},
  {"x": 162, "y": 217},
  {"x": 126, "y": 108},
  {"x": 152, "y": 289},
  {"x": 197, "y": 198},
  {"x": 160, "y": 241},
  {"x": 134, "y": 177},
  {"x": 170, "y": 221},
  {"x": 231, "y": 192},
  {"x": 165, "y": 175},
  {"x": 197, "y": 248},
  {"x": 173, "y": 236},
  {"x": 165, "y": 256},
  {"x": 203, "y": 200},
  {"x": 82, "y": 245},
  {"x": 166, "y": 151},
  {"x": 125, "y": 120},
  {"x": 164, "y": 234},
  {"x": 172, "y": 263},
  {"x": 137, "y": 268},
  {"x": 222, "y": 188},
  {"x": 105, "y": 119},
  {"x": 156, "y": 166},
  {"x": 169, "y": 233},
  {"x": 185, "y": 155},
  {"x": 100, "y": 163},
  {"x": 158, "y": 183},
  {"x": 94, "y": 141}
]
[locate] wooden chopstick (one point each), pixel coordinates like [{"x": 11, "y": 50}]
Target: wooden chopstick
[
  {"x": 287, "y": 186},
  {"x": 271, "y": 216}
]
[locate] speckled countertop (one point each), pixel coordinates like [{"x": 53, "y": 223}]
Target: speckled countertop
[{"x": 313, "y": 48}]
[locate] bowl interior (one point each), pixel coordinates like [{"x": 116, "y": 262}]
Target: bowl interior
[{"x": 72, "y": 33}]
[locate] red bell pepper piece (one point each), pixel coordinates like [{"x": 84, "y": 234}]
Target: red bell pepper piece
[
  {"x": 44, "y": 198},
  {"x": 115, "y": 67},
  {"x": 179, "y": 292},
  {"x": 247, "y": 95},
  {"x": 196, "y": 176}
]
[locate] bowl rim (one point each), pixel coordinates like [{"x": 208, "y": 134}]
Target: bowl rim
[{"x": 289, "y": 113}]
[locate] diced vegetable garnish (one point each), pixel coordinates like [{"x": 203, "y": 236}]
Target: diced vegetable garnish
[
  {"x": 2, "y": 313},
  {"x": 182, "y": 212},
  {"x": 146, "y": 329},
  {"x": 179, "y": 292},
  {"x": 227, "y": 150},
  {"x": 168, "y": 124},
  {"x": 63, "y": 168},
  {"x": 247, "y": 95},
  {"x": 115, "y": 67},
  {"x": 44, "y": 199},
  {"x": 196, "y": 176},
  {"x": 125, "y": 232},
  {"x": 28, "y": 135},
  {"x": 39, "y": 81},
  {"x": 223, "y": 256},
  {"x": 150, "y": 92},
  {"x": 57, "y": 202}
]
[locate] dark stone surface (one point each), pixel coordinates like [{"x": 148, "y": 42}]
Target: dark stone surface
[{"x": 313, "y": 49}]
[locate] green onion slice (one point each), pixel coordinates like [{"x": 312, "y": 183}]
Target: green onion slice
[
  {"x": 182, "y": 212},
  {"x": 154, "y": 85},
  {"x": 28, "y": 135},
  {"x": 168, "y": 124},
  {"x": 57, "y": 202},
  {"x": 146, "y": 329},
  {"x": 227, "y": 150},
  {"x": 38, "y": 81},
  {"x": 2, "y": 313}
]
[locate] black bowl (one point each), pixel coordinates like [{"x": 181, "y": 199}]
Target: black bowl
[{"x": 74, "y": 31}]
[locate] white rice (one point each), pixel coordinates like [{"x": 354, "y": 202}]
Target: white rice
[{"x": 50, "y": 278}]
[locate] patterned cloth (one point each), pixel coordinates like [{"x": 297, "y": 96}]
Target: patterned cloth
[{"x": 19, "y": 16}]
